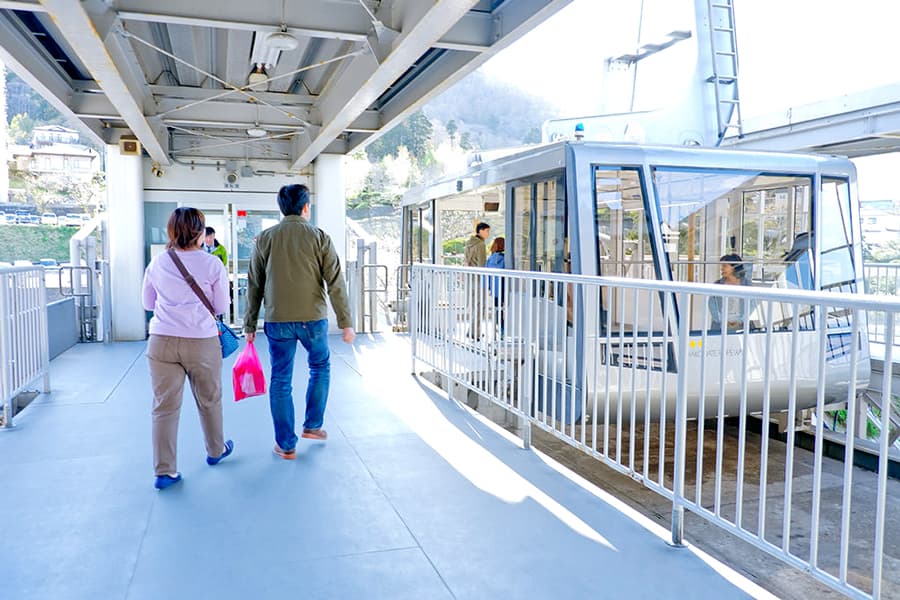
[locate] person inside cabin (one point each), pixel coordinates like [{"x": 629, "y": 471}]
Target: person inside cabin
[
  {"x": 497, "y": 260},
  {"x": 476, "y": 250},
  {"x": 476, "y": 256},
  {"x": 732, "y": 270}
]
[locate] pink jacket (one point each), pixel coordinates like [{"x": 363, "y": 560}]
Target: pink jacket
[{"x": 176, "y": 309}]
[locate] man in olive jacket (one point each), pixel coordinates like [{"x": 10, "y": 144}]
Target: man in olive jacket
[
  {"x": 292, "y": 266},
  {"x": 476, "y": 250},
  {"x": 476, "y": 255}
]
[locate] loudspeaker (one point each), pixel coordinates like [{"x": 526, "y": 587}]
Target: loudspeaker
[{"x": 129, "y": 147}]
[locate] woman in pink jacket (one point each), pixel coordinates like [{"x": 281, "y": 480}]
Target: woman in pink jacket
[{"x": 184, "y": 341}]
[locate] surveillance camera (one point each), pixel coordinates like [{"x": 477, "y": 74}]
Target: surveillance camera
[
  {"x": 155, "y": 170},
  {"x": 231, "y": 177}
]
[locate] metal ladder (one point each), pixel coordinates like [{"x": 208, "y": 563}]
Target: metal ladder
[{"x": 725, "y": 67}]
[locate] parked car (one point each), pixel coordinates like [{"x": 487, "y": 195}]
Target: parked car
[
  {"x": 10, "y": 219},
  {"x": 23, "y": 263},
  {"x": 73, "y": 220},
  {"x": 34, "y": 220},
  {"x": 48, "y": 263},
  {"x": 49, "y": 218}
]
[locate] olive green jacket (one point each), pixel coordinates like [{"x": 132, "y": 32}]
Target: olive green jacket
[
  {"x": 476, "y": 252},
  {"x": 292, "y": 266}
]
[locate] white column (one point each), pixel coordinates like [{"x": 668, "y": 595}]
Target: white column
[
  {"x": 331, "y": 208},
  {"x": 125, "y": 208},
  {"x": 331, "y": 205}
]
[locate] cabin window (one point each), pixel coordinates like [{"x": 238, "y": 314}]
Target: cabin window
[
  {"x": 764, "y": 219},
  {"x": 522, "y": 225},
  {"x": 838, "y": 273},
  {"x": 550, "y": 234},
  {"x": 623, "y": 240},
  {"x": 426, "y": 229},
  {"x": 624, "y": 249},
  {"x": 419, "y": 230}
]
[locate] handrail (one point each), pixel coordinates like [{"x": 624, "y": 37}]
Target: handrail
[
  {"x": 24, "y": 338},
  {"x": 849, "y": 300},
  {"x": 599, "y": 363}
]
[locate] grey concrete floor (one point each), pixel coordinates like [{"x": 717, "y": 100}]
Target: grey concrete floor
[{"x": 413, "y": 496}]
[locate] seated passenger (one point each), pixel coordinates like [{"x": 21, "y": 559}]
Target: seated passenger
[{"x": 732, "y": 269}]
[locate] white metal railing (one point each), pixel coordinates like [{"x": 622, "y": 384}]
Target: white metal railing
[
  {"x": 24, "y": 340},
  {"x": 625, "y": 370},
  {"x": 882, "y": 279}
]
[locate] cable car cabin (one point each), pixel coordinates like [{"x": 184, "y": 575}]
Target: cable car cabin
[{"x": 665, "y": 213}]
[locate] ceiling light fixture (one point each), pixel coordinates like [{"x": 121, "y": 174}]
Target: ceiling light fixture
[
  {"x": 256, "y": 131},
  {"x": 282, "y": 40},
  {"x": 258, "y": 75}
]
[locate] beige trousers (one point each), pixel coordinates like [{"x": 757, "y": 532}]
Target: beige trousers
[{"x": 171, "y": 358}]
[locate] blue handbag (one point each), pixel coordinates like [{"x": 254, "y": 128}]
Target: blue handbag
[{"x": 228, "y": 339}]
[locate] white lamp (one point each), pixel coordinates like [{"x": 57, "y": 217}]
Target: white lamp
[{"x": 282, "y": 40}]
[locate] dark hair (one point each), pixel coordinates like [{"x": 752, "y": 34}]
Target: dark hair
[
  {"x": 185, "y": 227},
  {"x": 498, "y": 245},
  {"x": 292, "y": 198},
  {"x": 481, "y": 227},
  {"x": 210, "y": 231},
  {"x": 735, "y": 261}
]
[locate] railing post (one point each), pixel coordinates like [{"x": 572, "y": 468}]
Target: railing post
[
  {"x": 449, "y": 334},
  {"x": 884, "y": 446},
  {"x": 5, "y": 354},
  {"x": 523, "y": 319},
  {"x": 372, "y": 286},
  {"x": 412, "y": 305},
  {"x": 680, "y": 449}
]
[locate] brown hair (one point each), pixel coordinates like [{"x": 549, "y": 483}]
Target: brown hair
[
  {"x": 185, "y": 227},
  {"x": 498, "y": 245}
]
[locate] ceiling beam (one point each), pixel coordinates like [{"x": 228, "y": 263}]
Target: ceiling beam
[
  {"x": 40, "y": 73},
  {"x": 192, "y": 94},
  {"x": 367, "y": 122},
  {"x": 242, "y": 114},
  {"x": 25, "y": 5},
  {"x": 314, "y": 18},
  {"x": 79, "y": 30},
  {"x": 473, "y": 33},
  {"x": 364, "y": 79}
]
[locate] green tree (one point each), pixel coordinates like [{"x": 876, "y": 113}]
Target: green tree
[
  {"x": 414, "y": 133},
  {"x": 21, "y": 99},
  {"x": 20, "y": 128},
  {"x": 379, "y": 189},
  {"x": 465, "y": 141},
  {"x": 452, "y": 128}
]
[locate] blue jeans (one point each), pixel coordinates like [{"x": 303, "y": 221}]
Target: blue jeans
[{"x": 283, "y": 338}]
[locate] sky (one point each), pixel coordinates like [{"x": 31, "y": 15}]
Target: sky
[
  {"x": 791, "y": 52},
  {"x": 814, "y": 49}
]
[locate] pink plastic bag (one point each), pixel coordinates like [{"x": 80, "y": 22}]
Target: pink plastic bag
[{"x": 247, "y": 375}]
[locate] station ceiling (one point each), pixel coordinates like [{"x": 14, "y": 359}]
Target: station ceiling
[{"x": 280, "y": 80}]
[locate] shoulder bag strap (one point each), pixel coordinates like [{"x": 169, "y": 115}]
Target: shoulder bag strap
[{"x": 192, "y": 282}]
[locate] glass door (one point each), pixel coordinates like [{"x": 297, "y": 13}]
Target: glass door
[{"x": 247, "y": 224}]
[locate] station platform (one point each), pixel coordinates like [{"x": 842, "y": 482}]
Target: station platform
[{"x": 413, "y": 496}]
